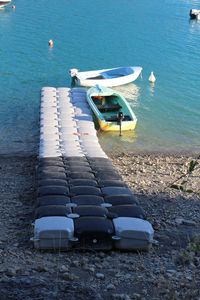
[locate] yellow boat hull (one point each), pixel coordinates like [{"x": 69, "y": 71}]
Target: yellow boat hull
[{"x": 112, "y": 126}]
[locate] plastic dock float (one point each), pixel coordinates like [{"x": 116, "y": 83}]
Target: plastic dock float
[{"x": 82, "y": 201}]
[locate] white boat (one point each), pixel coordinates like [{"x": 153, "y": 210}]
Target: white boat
[
  {"x": 106, "y": 77},
  {"x": 4, "y": 3}
]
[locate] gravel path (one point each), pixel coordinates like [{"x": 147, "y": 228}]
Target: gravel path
[{"x": 170, "y": 270}]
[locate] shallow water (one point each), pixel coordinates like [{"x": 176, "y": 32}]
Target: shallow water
[{"x": 157, "y": 35}]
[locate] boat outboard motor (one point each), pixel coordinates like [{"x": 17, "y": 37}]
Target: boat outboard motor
[
  {"x": 120, "y": 117},
  {"x": 73, "y": 73}
]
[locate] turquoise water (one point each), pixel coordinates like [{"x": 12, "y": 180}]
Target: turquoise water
[{"x": 87, "y": 34}]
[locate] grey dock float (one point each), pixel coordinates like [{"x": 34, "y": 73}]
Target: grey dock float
[{"x": 82, "y": 201}]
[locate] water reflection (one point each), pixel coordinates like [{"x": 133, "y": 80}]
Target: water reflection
[
  {"x": 51, "y": 54},
  {"x": 194, "y": 25},
  {"x": 112, "y": 142},
  {"x": 5, "y": 11},
  {"x": 151, "y": 88},
  {"x": 130, "y": 91}
]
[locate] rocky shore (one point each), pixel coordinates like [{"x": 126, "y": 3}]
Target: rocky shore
[{"x": 170, "y": 270}]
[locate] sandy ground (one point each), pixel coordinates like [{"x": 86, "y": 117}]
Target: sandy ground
[{"x": 170, "y": 270}]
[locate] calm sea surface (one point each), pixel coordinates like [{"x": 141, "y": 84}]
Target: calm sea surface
[{"x": 88, "y": 34}]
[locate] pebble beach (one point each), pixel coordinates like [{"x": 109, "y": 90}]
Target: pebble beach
[{"x": 169, "y": 270}]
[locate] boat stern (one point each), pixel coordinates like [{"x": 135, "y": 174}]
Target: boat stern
[{"x": 115, "y": 126}]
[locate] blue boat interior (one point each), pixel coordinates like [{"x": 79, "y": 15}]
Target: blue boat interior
[
  {"x": 110, "y": 107},
  {"x": 115, "y": 73}
]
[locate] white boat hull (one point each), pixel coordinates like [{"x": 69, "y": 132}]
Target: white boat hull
[{"x": 90, "y": 78}]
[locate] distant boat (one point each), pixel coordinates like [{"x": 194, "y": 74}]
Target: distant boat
[
  {"x": 4, "y": 3},
  {"x": 195, "y": 14},
  {"x": 106, "y": 77},
  {"x": 111, "y": 109}
]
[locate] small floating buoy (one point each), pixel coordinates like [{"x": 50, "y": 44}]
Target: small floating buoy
[
  {"x": 13, "y": 6},
  {"x": 51, "y": 43},
  {"x": 152, "y": 78}
]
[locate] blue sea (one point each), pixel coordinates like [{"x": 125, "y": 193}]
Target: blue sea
[{"x": 87, "y": 34}]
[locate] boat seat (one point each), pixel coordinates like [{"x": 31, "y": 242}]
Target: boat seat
[
  {"x": 115, "y": 118},
  {"x": 106, "y": 75},
  {"x": 109, "y": 107}
]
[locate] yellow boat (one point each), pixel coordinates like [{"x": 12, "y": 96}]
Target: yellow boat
[{"x": 111, "y": 109}]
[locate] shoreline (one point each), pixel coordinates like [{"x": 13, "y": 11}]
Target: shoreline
[
  {"x": 170, "y": 270},
  {"x": 113, "y": 154},
  {"x": 154, "y": 153}
]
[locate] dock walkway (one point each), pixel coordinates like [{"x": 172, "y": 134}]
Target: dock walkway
[{"x": 82, "y": 201}]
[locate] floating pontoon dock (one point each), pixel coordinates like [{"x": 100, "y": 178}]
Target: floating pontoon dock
[{"x": 82, "y": 201}]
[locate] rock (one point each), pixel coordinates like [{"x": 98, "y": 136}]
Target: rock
[
  {"x": 110, "y": 287},
  {"x": 173, "y": 243},
  {"x": 179, "y": 221},
  {"x": 69, "y": 276},
  {"x": 171, "y": 271},
  {"x": 155, "y": 243},
  {"x": 101, "y": 254},
  {"x": 100, "y": 276},
  {"x": 89, "y": 268},
  {"x": 128, "y": 276},
  {"x": 75, "y": 263},
  {"x": 189, "y": 277},
  {"x": 120, "y": 297},
  {"x": 85, "y": 260},
  {"x": 40, "y": 269},
  {"x": 3, "y": 240},
  {"x": 64, "y": 269},
  {"x": 189, "y": 222},
  {"x": 10, "y": 272},
  {"x": 136, "y": 296},
  {"x": 182, "y": 221}
]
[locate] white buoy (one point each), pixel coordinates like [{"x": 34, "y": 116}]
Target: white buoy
[
  {"x": 51, "y": 43},
  {"x": 152, "y": 78}
]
